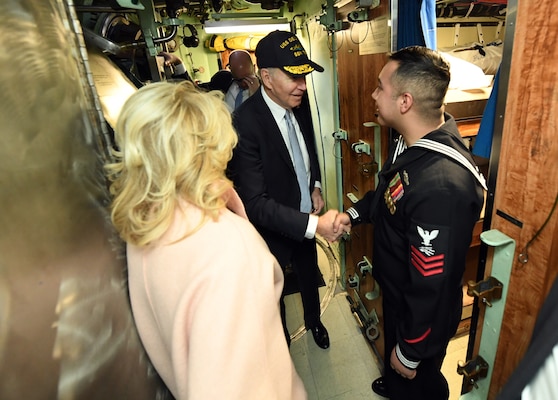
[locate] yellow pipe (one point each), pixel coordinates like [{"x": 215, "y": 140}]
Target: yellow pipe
[{"x": 245, "y": 42}]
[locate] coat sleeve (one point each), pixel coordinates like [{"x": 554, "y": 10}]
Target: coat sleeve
[
  {"x": 438, "y": 236},
  {"x": 362, "y": 211}
]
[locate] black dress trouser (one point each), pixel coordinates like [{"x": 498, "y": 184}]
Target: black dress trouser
[{"x": 304, "y": 262}]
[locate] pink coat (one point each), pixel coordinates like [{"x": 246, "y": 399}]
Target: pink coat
[{"x": 206, "y": 309}]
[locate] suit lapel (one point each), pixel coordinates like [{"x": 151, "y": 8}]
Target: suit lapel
[{"x": 272, "y": 132}]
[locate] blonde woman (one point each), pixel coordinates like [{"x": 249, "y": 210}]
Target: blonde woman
[{"x": 204, "y": 287}]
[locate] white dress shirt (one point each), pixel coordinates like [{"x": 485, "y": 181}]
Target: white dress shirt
[
  {"x": 278, "y": 113},
  {"x": 230, "y": 96}
]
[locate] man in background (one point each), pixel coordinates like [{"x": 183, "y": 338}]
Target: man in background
[
  {"x": 176, "y": 66},
  {"x": 245, "y": 82}
]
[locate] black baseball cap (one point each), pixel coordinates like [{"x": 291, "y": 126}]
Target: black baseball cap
[{"x": 281, "y": 49}]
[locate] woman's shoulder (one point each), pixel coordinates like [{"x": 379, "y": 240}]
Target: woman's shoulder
[
  {"x": 229, "y": 232},
  {"x": 233, "y": 227}
]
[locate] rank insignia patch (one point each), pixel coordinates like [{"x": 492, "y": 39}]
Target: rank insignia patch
[
  {"x": 393, "y": 193},
  {"x": 424, "y": 257}
]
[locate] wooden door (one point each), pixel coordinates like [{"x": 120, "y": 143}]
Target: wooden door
[
  {"x": 358, "y": 77},
  {"x": 525, "y": 159}
]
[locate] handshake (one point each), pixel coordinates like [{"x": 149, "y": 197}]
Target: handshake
[{"x": 333, "y": 224}]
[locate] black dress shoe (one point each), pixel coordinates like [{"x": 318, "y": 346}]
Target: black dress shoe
[
  {"x": 319, "y": 332},
  {"x": 379, "y": 387}
]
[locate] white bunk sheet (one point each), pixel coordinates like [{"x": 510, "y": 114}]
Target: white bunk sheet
[{"x": 468, "y": 81}]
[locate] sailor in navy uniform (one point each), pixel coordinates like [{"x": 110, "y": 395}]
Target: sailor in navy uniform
[{"x": 428, "y": 199}]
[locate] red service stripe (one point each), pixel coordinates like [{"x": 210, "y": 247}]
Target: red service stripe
[
  {"x": 420, "y": 338},
  {"x": 427, "y": 265},
  {"x": 425, "y": 272}
]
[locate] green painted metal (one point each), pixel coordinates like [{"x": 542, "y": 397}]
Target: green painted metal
[
  {"x": 502, "y": 262},
  {"x": 133, "y": 4},
  {"x": 331, "y": 16},
  {"x": 149, "y": 26}
]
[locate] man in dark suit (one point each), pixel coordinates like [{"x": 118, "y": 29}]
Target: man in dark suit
[{"x": 275, "y": 129}]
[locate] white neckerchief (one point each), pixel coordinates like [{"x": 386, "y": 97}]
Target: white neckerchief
[
  {"x": 400, "y": 147},
  {"x": 453, "y": 154}
]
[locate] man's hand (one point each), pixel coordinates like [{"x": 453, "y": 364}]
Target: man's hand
[
  {"x": 342, "y": 224},
  {"x": 252, "y": 84},
  {"x": 325, "y": 226},
  {"x": 399, "y": 368},
  {"x": 170, "y": 59},
  {"x": 317, "y": 201}
]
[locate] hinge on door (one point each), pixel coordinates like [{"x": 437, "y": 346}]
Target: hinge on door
[
  {"x": 488, "y": 290},
  {"x": 473, "y": 370}
]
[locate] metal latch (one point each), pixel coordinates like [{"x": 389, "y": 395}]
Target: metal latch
[
  {"x": 472, "y": 370},
  {"x": 368, "y": 322},
  {"x": 488, "y": 290}
]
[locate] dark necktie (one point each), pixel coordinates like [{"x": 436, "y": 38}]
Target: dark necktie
[
  {"x": 300, "y": 169},
  {"x": 238, "y": 99}
]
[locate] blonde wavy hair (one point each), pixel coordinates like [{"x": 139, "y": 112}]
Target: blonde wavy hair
[{"x": 174, "y": 142}]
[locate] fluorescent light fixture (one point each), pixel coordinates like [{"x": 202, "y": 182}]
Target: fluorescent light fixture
[
  {"x": 247, "y": 25},
  {"x": 341, "y": 3}
]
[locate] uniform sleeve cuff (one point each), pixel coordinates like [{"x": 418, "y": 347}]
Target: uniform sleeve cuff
[
  {"x": 353, "y": 215},
  {"x": 405, "y": 361}
]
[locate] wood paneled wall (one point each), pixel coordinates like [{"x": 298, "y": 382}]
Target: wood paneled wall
[{"x": 527, "y": 180}]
